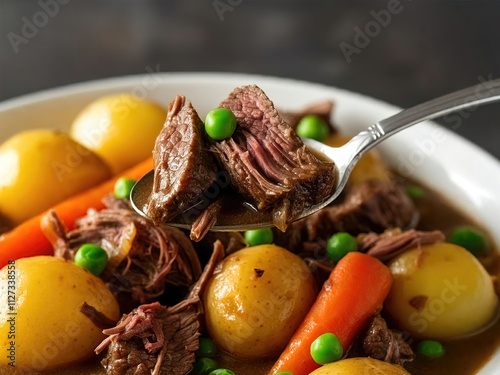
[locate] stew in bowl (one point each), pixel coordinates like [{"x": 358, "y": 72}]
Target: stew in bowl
[{"x": 399, "y": 275}]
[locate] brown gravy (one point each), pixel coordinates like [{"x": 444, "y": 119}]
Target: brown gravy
[
  {"x": 463, "y": 356},
  {"x": 234, "y": 211}
]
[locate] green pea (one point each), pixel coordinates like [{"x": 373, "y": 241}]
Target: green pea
[
  {"x": 313, "y": 127},
  {"x": 220, "y": 123},
  {"x": 92, "y": 257},
  {"x": 259, "y": 236},
  {"x": 414, "y": 192},
  {"x": 203, "y": 366},
  {"x": 471, "y": 239},
  {"x": 431, "y": 348},
  {"x": 283, "y": 373},
  {"x": 222, "y": 371},
  {"x": 207, "y": 348},
  {"x": 326, "y": 349},
  {"x": 339, "y": 245},
  {"x": 123, "y": 187}
]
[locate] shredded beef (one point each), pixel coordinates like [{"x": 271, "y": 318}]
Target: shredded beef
[
  {"x": 55, "y": 231},
  {"x": 151, "y": 340},
  {"x": 371, "y": 206},
  {"x": 98, "y": 318},
  {"x": 383, "y": 246},
  {"x": 385, "y": 344},
  {"x": 267, "y": 162},
  {"x": 113, "y": 203},
  {"x": 157, "y": 340},
  {"x": 143, "y": 259},
  {"x": 205, "y": 221},
  {"x": 391, "y": 243},
  {"x": 183, "y": 168}
]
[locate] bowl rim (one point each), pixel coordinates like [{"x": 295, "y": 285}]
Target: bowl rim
[{"x": 125, "y": 81}]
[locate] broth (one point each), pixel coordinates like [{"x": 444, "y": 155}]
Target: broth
[{"x": 234, "y": 210}]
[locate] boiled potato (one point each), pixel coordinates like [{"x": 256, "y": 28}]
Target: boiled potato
[
  {"x": 360, "y": 366},
  {"x": 49, "y": 330},
  {"x": 256, "y": 299},
  {"x": 370, "y": 166},
  {"x": 41, "y": 168},
  {"x": 440, "y": 291},
  {"x": 120, "y": 128}
]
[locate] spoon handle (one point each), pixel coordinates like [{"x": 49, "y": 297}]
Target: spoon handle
[
  {"x": 347, "y": 156},
  {"x": 485, "y": 92}
]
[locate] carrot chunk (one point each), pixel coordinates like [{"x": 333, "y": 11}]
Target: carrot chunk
[{"x": 355, "y": 291}]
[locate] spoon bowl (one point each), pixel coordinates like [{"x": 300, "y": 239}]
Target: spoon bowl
[
  {"x": 246, "y": 217},
  {"x": 243, "y": 216}
]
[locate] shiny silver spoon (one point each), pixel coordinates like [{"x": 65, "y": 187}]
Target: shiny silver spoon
[{"x": 347, "y": 156}]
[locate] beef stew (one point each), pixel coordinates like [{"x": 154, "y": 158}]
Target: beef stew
[{"x": 162, "y": 322}]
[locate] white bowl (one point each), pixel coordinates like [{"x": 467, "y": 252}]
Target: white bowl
[{"x": 466, "y": 175}]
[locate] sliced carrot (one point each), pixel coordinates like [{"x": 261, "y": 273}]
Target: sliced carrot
[
  {"x": 355, "y": 291},
  {"x": 27, "y": 239}
]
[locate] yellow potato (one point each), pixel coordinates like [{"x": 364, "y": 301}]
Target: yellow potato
[
  {"x": 41, "y": 168},
  {"x": 255, "y": 316},
  {"x": 440, "y": 291},
  {"x": 360, "y": 366},
  {"x": 49, "y": 331},
  {"x": 120, "y": 128},
  {"x": 370, "y": 166}
]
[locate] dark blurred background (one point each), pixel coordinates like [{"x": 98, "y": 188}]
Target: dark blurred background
[{"x": 417, "y": 49}]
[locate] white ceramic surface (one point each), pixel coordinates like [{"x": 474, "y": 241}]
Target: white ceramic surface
[{"x": 466, "y": 175}]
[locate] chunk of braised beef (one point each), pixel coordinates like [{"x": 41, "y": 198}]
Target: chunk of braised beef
[
  {"x": 371, "y": 206},
  {"x": 144, "y": 260},
  {"x": 183, "y": 168},
  {"x": 382, "y": 343},
  {"x": 267, "y": 162},
  {"x": 153, "y": 339}
]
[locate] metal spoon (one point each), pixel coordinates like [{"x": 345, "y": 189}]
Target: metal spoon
[{"x": 347, "y": 156}]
